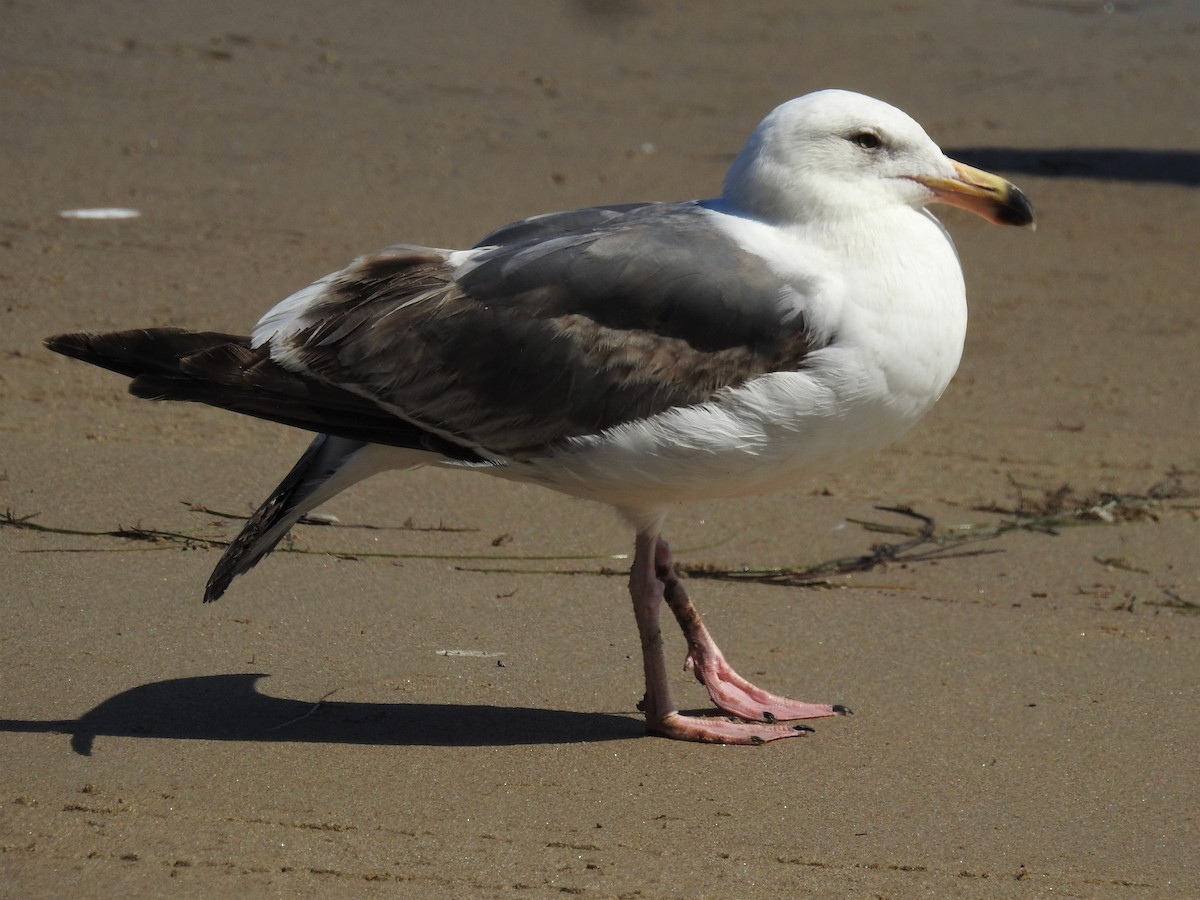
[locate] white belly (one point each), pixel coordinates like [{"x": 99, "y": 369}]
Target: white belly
[
  {"x": 761, "y": 437},
  {"x": 895, "y": 333},
  {"x": 894, "y": 348}
]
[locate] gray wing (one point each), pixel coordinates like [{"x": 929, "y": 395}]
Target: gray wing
[
  {"x": 562, "y": 326},
  {"x": 556, "y": 224}
]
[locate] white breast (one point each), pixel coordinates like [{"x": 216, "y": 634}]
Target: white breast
[{"x": 892, "y": 302}]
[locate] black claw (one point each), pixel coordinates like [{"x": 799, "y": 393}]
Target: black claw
[
  {"x": 768, "y": 717},
  {"x": 807, "y": 728},
  {"x": 842, "y": 710}
]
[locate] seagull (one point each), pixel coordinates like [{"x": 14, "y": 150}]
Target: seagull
[{"x": 642, "y": 355}]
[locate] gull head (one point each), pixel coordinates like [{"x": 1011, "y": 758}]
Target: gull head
[{"x": 834, "y": 155}]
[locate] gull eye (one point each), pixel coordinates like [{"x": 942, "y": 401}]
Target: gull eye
[{"x": 868, "y": 140}]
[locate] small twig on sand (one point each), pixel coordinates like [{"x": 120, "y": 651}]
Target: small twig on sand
[
  {"x": 9, "y": 519},
  {"x": 304, "y": 715},
  {"x": 407, "y": 525},
  {"x": 819, "y": 575}
]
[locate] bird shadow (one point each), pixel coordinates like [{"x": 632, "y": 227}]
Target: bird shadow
[
  {"x": 231, "y": 708},
  {"x": 1180, "y": 167}
]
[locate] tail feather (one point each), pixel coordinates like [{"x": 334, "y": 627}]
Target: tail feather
[
  {"x": 328, "y": 466},
  {"x": 356, "y": 436},
  {"x": 224, "y": 371}
]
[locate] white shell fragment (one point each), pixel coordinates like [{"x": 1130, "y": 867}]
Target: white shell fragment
[{"x": 100, "y": 212}]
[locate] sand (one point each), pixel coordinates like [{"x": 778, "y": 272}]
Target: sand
[{"x": 1027, "y": 720}]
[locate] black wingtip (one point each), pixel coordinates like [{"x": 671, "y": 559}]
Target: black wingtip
[
  {"x": 74, "y": 345},
  {"x": 110, "y": 351},
  {"x": 222, "y": 575}
]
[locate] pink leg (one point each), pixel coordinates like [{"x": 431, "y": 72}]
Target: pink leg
[
  {"x": 647, "y": 587},
  {"x": 729, "y": 691}
]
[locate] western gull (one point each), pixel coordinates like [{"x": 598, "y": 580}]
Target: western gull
[{"x": 640, "y": 354}]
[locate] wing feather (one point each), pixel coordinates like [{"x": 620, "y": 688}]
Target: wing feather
[{"x": 561, "y": 326}]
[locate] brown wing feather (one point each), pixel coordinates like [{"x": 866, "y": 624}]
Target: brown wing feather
[{"x": 550, "y": 339}]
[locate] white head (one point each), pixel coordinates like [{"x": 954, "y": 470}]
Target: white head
[{"x": 835, "y": 154}]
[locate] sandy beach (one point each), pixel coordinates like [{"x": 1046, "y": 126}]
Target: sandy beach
[{"x": 437, "y": 696}]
